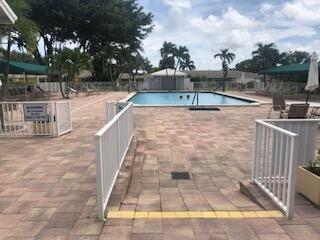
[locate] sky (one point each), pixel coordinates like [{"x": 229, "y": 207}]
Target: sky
[{"x": 207, "y": 26}]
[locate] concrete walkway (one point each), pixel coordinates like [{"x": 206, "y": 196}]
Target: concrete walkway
[{"x": 47, "y": 185}]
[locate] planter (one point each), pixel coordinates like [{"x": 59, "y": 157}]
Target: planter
[{"x": 308, "y": 184}]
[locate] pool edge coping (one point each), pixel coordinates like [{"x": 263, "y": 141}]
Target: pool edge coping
[{"x": 255, "y": 103}]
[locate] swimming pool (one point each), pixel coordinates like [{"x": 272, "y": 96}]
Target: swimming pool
[{"x": 185, "y": 99}]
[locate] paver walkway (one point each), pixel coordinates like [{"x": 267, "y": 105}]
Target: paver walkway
[
  {"x": 48, "y": 191},
  {"x": 47, "y": 185}
]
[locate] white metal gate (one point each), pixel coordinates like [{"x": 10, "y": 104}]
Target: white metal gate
[
  {"x": 275, "y": 163},
  {"x": 45, "y": 118},
  {"x": 112, "y": 144},
  {"x": 280, "y": 146}
]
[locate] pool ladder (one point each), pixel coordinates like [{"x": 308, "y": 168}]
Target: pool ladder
[{"x": 196, "y": 97}]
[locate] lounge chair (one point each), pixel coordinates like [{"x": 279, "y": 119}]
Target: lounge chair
[
  {"x": 87, "y": 91},
  {"x": 295, "y": 111},
  {"x": 72, "y": 90},
  {"x": 278, "y": 104}
]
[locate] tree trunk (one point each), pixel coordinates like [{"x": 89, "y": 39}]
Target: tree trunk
[
  {"x": 175, "y": 72},
  {"x": 38, "y": 57},
  {"x": 61, "y": 87},
  {"x": 225, "y": 75}
]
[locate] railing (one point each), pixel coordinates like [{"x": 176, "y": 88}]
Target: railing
[
  {"x": 112, "y": 144},
  {"x": 275, "y": 163},
  {"x": 22, "y": 119},
  {"x": 64, "y": 122}
]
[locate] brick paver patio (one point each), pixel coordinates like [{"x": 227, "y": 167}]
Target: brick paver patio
[{"x": 47, "y": 185}]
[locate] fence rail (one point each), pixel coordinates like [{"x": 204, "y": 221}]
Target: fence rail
[
  {"x": 22, "y": 119},
  {"x": 112, "y": 144},
  {"x": 275, "y": 163}
]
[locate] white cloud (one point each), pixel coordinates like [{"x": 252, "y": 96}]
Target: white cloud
[
  {"x": 266, "y": 7},
  {"x": 292, "y": 25},
  {"x": 178, "y": 4}
]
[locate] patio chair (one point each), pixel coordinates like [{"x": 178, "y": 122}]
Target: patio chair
[
  {"x": 87, "y": 91},
  {"x": 278, "y": 104},
  {"x": 295, "y": 111},
  {"x": 72, "y": 90}
]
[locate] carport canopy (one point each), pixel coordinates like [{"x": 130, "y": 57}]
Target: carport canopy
[{"x": 16, "y": 67}]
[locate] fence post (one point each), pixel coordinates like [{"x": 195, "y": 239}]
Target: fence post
[
  {"x": 55, "y": 116},
  {"x": 99, "y": 176},
  {"x": 70, "y": 116},
  {"x": 292, "y": 176},
  {"x": 119, "y": 142}
]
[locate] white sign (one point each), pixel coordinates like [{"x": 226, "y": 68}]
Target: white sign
[{"x": 35, "y": 112}]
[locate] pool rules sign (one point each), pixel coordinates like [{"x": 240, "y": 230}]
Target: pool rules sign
[{"x": 34, "y": 112}]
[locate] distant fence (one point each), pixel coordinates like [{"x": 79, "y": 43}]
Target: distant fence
[
  {"x": 280, "y": 146},
  {"x": 112, "y": 144},
  {"x": 22, "y": 119},
  {"x": 269, "y": 87}
]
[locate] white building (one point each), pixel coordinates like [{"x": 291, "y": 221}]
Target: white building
[{"x": 167, "y": 80}]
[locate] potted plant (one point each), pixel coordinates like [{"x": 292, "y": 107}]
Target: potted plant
[{"x": 308, "y": 181}]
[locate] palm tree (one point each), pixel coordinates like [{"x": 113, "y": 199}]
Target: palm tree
[
  {"x": 23, "y": 32},
  {"x": 187, "y": 64},
  {"x": 266, "y": 56},
  {"x": 167, "y": 54},
  {"x": 226, "y": 57},
  {"x": 70, "y": 62}
]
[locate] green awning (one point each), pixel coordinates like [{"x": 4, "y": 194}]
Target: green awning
[
  {"x": 287, "y": 69},
  {"x": 27, "y": 68}
]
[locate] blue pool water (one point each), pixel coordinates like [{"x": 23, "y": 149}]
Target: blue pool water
[{"x": 181, "y": 98}]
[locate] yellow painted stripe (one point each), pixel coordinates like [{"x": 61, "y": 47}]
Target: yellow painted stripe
[{"x": 193, "y": 214}]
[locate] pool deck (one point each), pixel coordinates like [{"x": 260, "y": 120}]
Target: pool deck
[{"x": 47, "y": 185}]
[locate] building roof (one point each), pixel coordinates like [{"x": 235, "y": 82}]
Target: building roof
[
  {"x": 288, "y": 69},
  {"x": 168, "y": 72},
  {"x": 7, "y": 16},
  {"x": 28, "y": 68},
  {"x": 126, "y": 76},
  {"x": 219, "y": 74}
]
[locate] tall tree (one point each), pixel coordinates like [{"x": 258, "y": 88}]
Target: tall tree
[
  {"x": 181, "y": 53},
  {"x": 187, "y": 64},
  {"x": 70, "y": 62},
  {"x": 23, "y": 33},
  {"x": 93, "y": 25},
  {"x": 246, "y": 66},
  {"x": 167, "y": 56},
  {"x": 296, "y": 57},
  {"x": 226, "y": 58},
  {"x": 265, "y": 56}
]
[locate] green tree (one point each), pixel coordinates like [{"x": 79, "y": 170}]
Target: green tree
[
  {"x": 94, "y": 25},
  {"x": 296, "y": 57},
  {"x": 226, "y": 57},
  {"x": 23, "y": 33},
  {"x": 265, "y": 56},
  {"x": 187, "y": 64},
  {"x": 246, "y": 66},
  {"x": 181, "y": 53},
  {"x": 70, "y": 62},
  {"x": 167, "y": 56}
]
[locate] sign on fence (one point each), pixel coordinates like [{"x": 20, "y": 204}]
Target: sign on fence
[{"x": 35, "y": 112}]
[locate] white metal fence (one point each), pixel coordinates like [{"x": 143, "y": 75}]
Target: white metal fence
[
  {"x": 112, "y": 144},
  {"x": 275, "y": 163},
  {"x": 22, "y": 119},
  {"x": 51, "y": 86}
]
